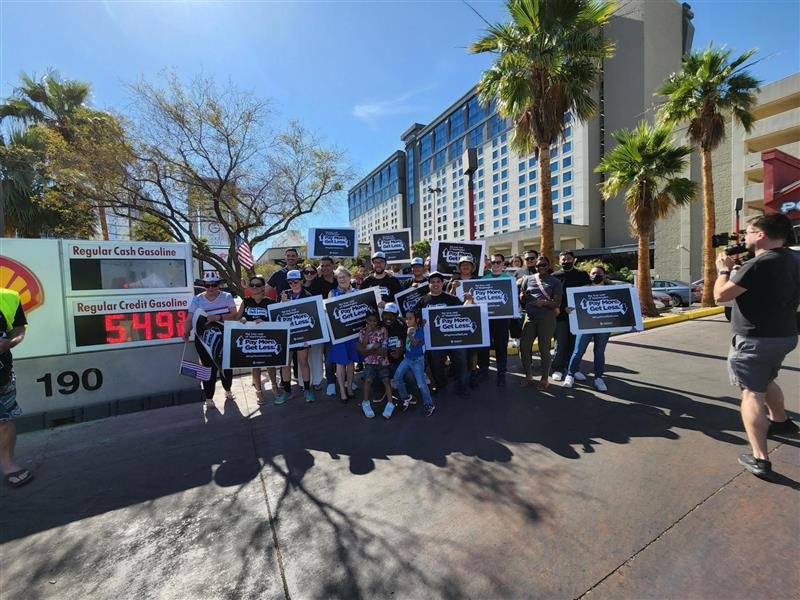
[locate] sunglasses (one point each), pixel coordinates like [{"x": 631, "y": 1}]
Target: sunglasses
[
  {"x": 211, "y": 285},
  {"x": 529, "y": 259},
  {"x": 497, "y": 262},
  {"x": 291, "y": 281},
  {"x": 256, "y": 285},
  {"x": 309, "y": 272}
]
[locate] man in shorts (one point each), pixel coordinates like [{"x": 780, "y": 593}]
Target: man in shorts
[
  {"x": 12, "y": 332},
  {"x": 766, "y": 290}
]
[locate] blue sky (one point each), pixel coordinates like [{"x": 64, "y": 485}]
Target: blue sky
[{"x": 359, "y": 73}]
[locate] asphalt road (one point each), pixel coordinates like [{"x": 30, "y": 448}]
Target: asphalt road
[{"x": 634, "y": 493}]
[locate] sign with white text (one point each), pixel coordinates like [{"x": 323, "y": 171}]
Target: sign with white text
[
  {"x": 499, "y": 294},
  {"x": 306, "y": 319},
  {"x": 604, "y": 308},
  {"x": 395, "y": 244},
  {"x": 408, "y": 299},
  {"x": 445, "y": 255},
  {"x": 347, "y": 314},
  {"x": 336, "y": 242},
  {"x": 255, "y": 345},
  {"x": 456, "y": 327}
]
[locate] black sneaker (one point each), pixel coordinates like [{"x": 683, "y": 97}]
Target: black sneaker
[
  {"x": 429, "y": 408},
  {"x": 757, "y": 466},
  {"x": 787, "y": 427}
]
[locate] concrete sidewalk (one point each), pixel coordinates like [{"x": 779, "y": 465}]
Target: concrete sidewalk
[{"x": 634, "y": 493}]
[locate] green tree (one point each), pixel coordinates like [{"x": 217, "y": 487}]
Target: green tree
[
  {"x": 646, "y": 165},
  {"x": 150, "y": 229},
  {"x": 548, "y": 62},
  {"x": 707, "y": 89},
  {"x": 421, "y": 248},
  {"x": 57, "y": 105}
]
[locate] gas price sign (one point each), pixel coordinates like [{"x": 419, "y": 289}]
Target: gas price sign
[{"x": 126, "y": 321}]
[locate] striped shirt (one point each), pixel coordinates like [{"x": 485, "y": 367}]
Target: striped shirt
[{"x": 221, "y": 305}]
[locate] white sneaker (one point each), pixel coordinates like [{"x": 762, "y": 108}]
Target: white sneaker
[
  {"x": 569, "y": 381},
  {"x": 331, "y": 391},
  {"x": 514, "y": 343},
  {"x": 557, "y": 376},
  {"x": 600, "y": 384},
  {"x": 387, "y": 412},
  {"x": 579, "y": 376},
  {"x": 368, "y": 412}
]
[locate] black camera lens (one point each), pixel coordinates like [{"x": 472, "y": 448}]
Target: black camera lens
[{"x": 735, "y": 249}]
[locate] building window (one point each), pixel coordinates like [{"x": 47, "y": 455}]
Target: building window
[
  {"x": 566, "y": 161},
  {"x": 568, "y": 219},
  {"x": 554, "y": 166},
  {"x": 566, "y": 147},
  {"x": 554, "y": 180},
  {"x": 522, "y": 217},
  {"x": 505, "y": 221},
  {"x": 457, "y": 123},
  {"x": 532, "y": 188},
  {"x": 567, "y": 176},
  {"x": 475, "y": 112},
  {"x": 426, "y": 146},
  {"x": 567, "y": 191},
  {"x": 567, "y": 206},
  {"x": 522, "y": 191},
  {"x": 522, "y": 178},
  {"x": 475, "y": 137}
]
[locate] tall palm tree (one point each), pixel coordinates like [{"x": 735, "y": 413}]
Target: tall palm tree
[
  {"x": 548, "y": 61},
  {"x": 53, "y": 102},
  {"x": 707, "y": 89},
  {"x": 646, "y": 164}
]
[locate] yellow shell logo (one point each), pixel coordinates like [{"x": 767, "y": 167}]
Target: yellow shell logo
[{"x": 16, "y": 276}]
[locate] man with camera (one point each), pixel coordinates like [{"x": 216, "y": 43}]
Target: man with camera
[{"x": 766, "y": 291}]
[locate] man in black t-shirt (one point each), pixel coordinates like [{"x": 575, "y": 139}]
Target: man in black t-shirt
[
  {"x": 12, "y": 332},
  {"x": 436, "y": 358},
  {"x": 766, "y": 290},
  {"x": 322, "y": 286},
  {"x": 277, "y": 280},
  {"x": 569, "y": 277},
  {"x": 418, "y": 276},
  {"x": 388, "y": 284}
]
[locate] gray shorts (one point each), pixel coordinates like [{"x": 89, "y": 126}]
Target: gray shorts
[
  {"x": 9, "y": 409},
  {"x": 753, "y": 362}
]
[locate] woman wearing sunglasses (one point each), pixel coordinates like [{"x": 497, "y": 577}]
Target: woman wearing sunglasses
[
  {"x": 316, "y": 354},
  {"x": 218, "y": 306},
  {"x": 254, "y": 309}
]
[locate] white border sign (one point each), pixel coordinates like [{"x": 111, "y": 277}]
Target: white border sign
[
  {"x": 445, "y": 255},
  {"x": 499, "y": 294},
  {"x": 255, "y": 345},
  {"x": 347, "y": 314},
  {"x": 448, "y": 327},
  {"x": 410, "y": 297},
  {"x": 306, "y": 318},
  {"x": 395, "y": 244},
  {"x": 336, "y": 242},
  {"x": 604, "y": 309}
]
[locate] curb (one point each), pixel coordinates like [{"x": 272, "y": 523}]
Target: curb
[{"x": 652, "y": 323}]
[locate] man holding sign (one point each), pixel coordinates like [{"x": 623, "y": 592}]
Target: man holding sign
[{"x": 498, "y": 330}]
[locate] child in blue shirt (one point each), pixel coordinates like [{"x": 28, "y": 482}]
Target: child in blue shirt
[{"x": 414, "y": 361}]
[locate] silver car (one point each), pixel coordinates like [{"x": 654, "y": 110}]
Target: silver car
[{"x": 680, "y": 292}]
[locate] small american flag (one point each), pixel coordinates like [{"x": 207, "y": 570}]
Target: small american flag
[
  {"x": 243, "y": 252},
  {"x": 195, "y": 370}
]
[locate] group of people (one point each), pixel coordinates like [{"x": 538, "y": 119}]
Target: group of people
[{"x": 390, "y": 349}]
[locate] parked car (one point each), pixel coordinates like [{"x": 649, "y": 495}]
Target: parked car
[
  {"x": 662, "y": 300},
  {"x": 728, "y": 305},
  {"x": 682, "y": 294}
]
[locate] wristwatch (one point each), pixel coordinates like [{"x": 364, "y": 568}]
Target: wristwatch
[{"x": 724, "y": 273}]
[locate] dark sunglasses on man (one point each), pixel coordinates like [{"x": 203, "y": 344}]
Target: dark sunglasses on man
[
  {"x": 256, "y": 285},
  {"x": 211, "y": 285}
]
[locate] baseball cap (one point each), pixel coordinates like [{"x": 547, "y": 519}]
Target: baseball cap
[
  {"x": 436, "y": 274},
  {"x": 379, "y": 254},
  {"x": 293, "y": 274},
  {"x": 417, "y": 261},
  {"x": 466, "y": 258},
  {"x": 392, "y": 308}
]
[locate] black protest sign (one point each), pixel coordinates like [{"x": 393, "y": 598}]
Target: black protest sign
[
  {"x": 347, "y": 314},
  {"x": 408, "y": 299},
  {"x": 445, "y": 255},
  {"x": 255, "y": 345},
  {"x": 499, "y": 294},
  {"x": 306, "y": 320},
  {"x": 604, "y": 309},
  {"x": 336, "y": 242},
  {"x": 396, "y": 245},
  {"x": 456, "y": 327}
]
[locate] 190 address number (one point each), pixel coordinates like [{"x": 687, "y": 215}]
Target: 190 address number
[{"x": 70, "y": 382}]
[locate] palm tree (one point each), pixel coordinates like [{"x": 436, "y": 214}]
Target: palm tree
[
  {"x": 53, "y": 102},
  {"x": 548, "y": 61},
  {"x": 646, "y": 164},
  {"x": 707, "y": 88}
]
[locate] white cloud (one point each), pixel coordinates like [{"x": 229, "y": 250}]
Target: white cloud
[{"x": 370, "y": 111}]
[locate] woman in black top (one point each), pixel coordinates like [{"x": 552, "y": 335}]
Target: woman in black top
[{"x": 254, "y": 308}]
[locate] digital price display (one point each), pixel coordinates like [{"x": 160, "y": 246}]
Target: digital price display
[
  {"x": 122, "y": 328},
  {"x": 119, "y": 267},
  {"x": 126, "y": 321}
]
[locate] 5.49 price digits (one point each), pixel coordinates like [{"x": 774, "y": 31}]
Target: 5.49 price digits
[{"x": 134, "y": 327}]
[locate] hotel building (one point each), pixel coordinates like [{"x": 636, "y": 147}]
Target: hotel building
[{"x": 427, "y": 190}]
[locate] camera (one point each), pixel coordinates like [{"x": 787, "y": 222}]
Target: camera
[{"x": 735, "y": 249}]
